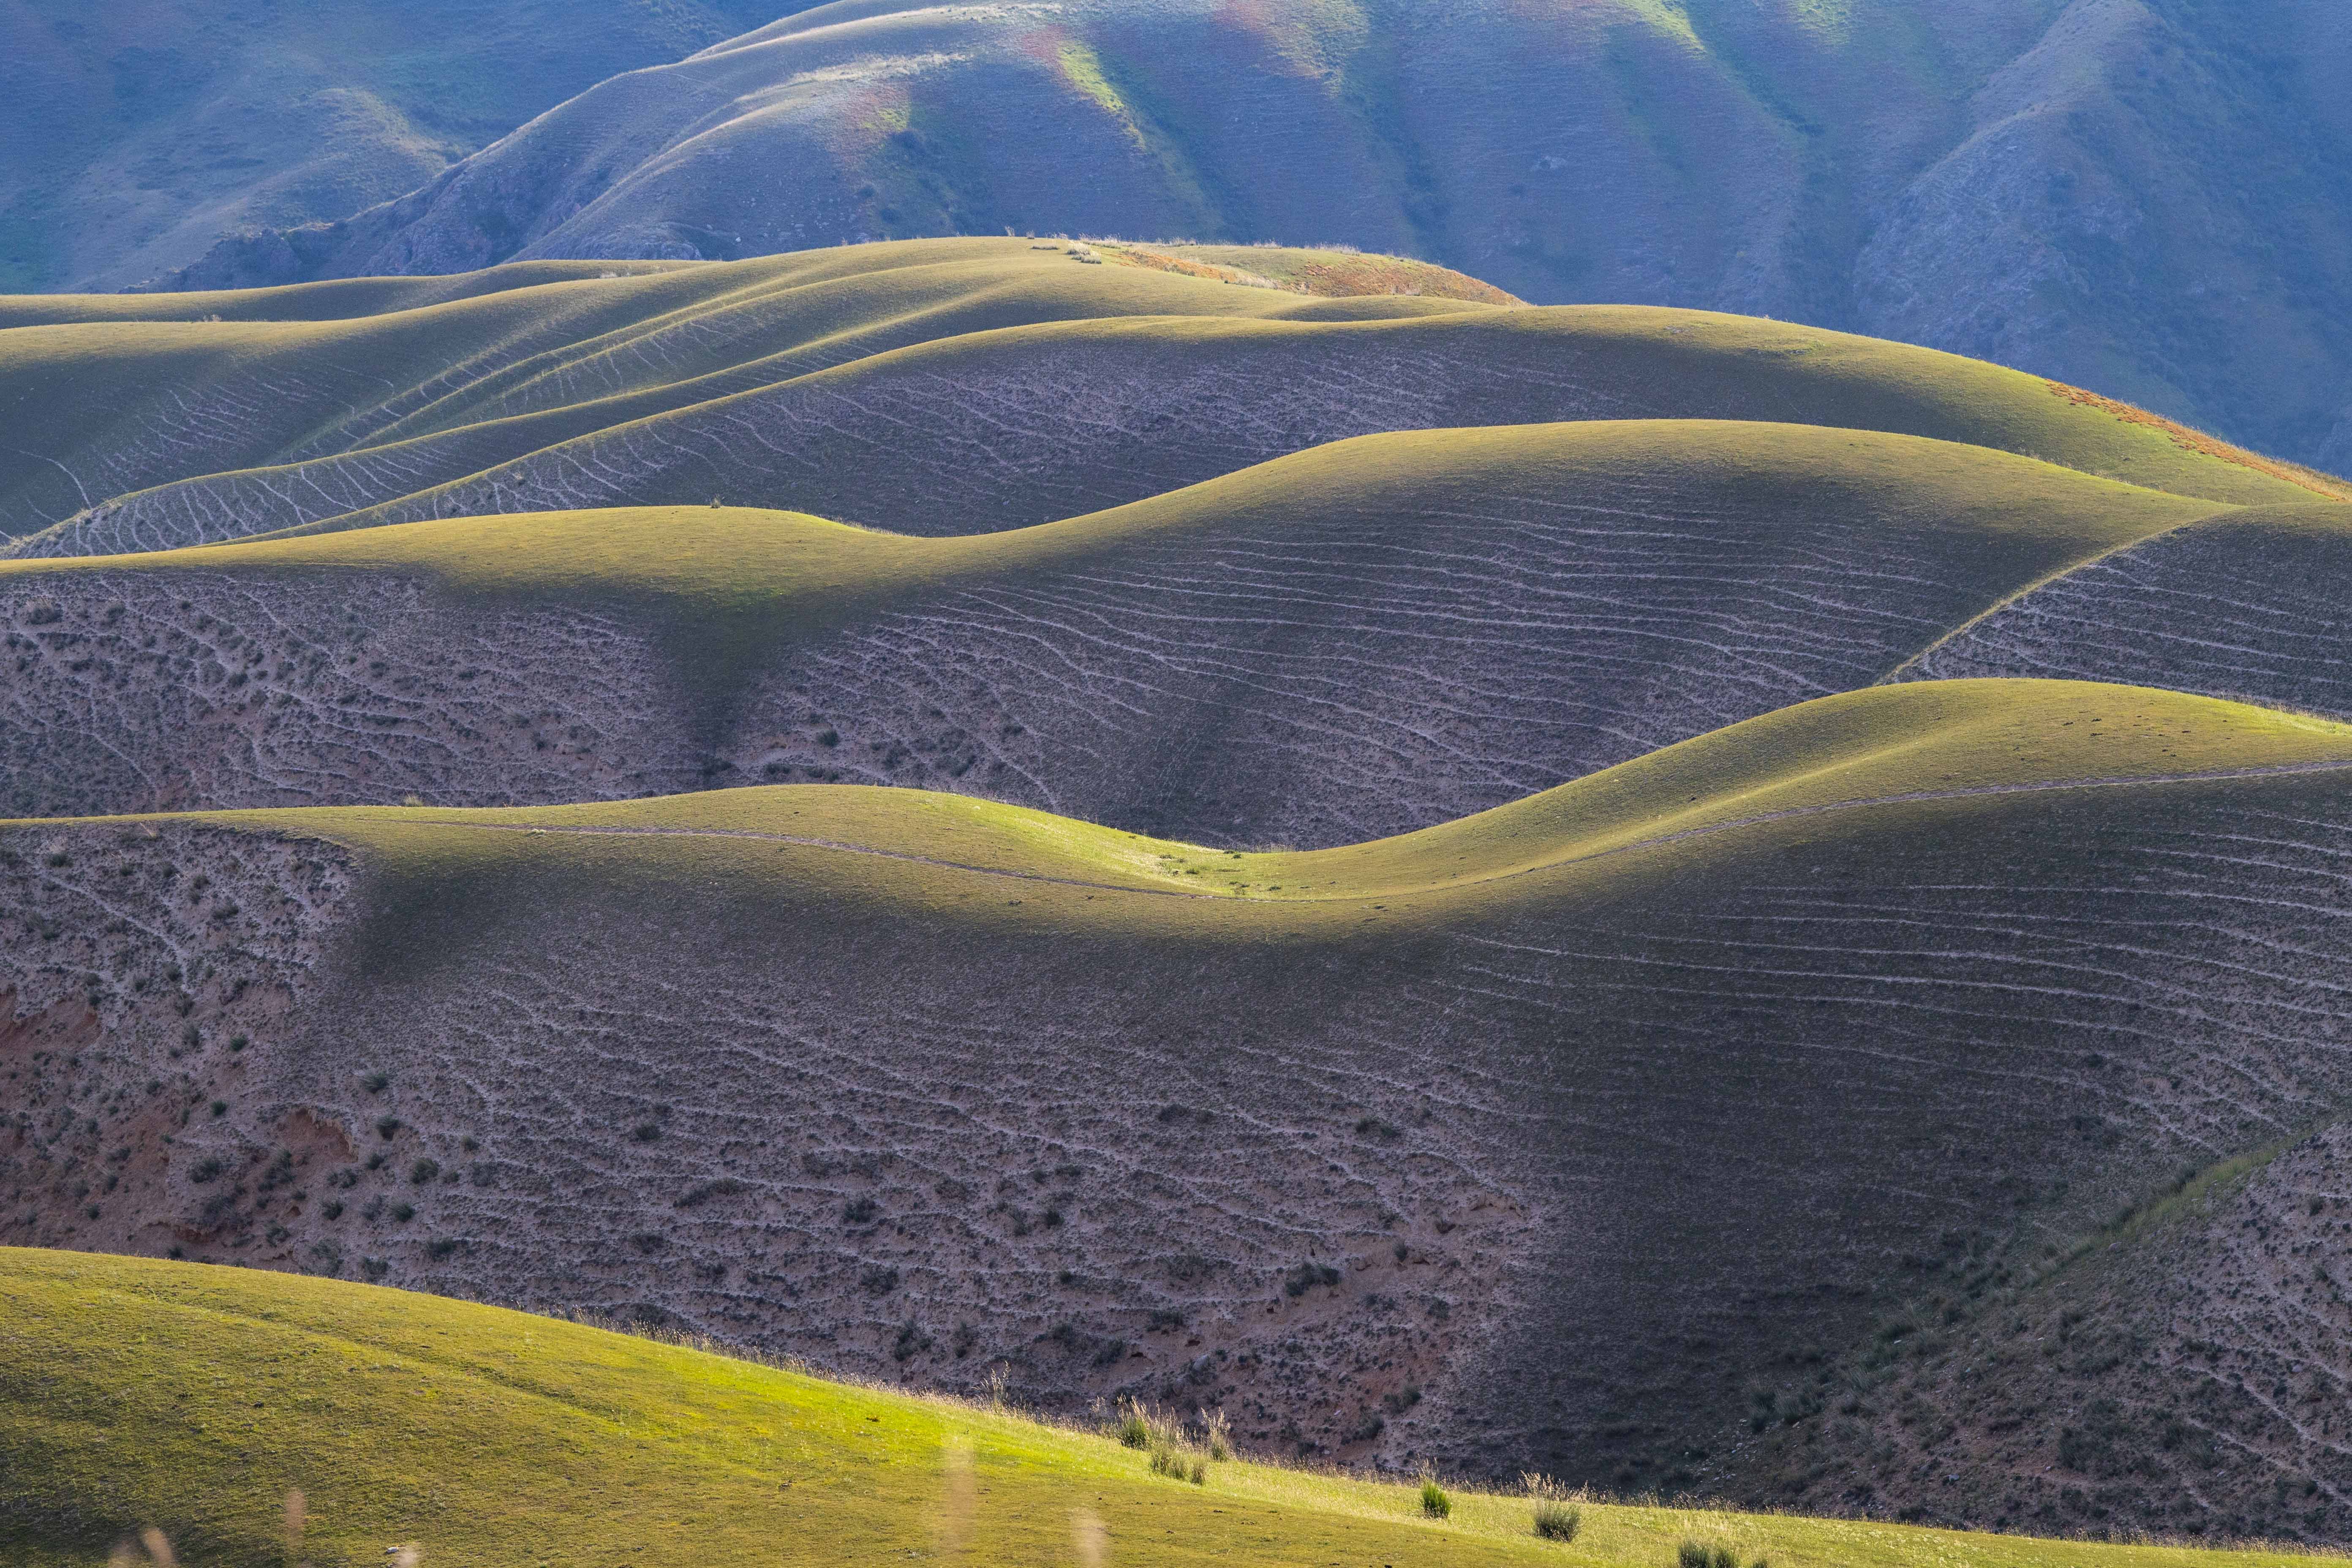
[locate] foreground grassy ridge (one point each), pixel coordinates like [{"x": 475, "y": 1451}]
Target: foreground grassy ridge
[
  {"x": 1893, "y": 745},
  {"x": 139, "y": 1393}
]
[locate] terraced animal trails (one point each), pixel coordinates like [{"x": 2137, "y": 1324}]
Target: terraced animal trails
[{"x": 1612, "y": 892}]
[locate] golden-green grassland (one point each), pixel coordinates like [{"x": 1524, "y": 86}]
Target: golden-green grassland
[{"x": 142, "y": 1394}]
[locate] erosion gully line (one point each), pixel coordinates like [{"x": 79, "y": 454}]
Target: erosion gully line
[{"x": 805, "y": 842}]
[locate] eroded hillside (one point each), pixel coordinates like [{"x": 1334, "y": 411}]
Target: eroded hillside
[
  {"x": 1466, "y": 884},
  {"x": 1259, "y": 1129}
]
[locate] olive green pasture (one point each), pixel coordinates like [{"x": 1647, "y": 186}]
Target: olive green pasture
[{"x": 139, "y": 1395}]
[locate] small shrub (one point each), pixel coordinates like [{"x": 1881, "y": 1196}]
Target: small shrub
[
  {"x": 1132, "y": 1426},
  {"x": 387, "y": 1125},
  {"x": 403, "y": 1212},
  {"x": 1558, "y": 1520},
  {"x": 1435, "y": 1502},
  {"x": 208, "y": 1169},
  {"x": 333, "y": 1211},
  {"x": 860, "y": 1210},
  {"x": 1556, "y": 1516},
  {"x": 376, "y": 1082},
  {"x": 701, "y": 1192},
  {"x": 1307, "y": 1276},
  {"x": 424, "y": 1171},
  {"x": 646, "y": 1132},
  {"x": 1171, "y": 1456},
  {"x": 220, "y": 1108},
  {"x": 1691, "y": 1554},
  {"x": 1217, "y": 1434}
]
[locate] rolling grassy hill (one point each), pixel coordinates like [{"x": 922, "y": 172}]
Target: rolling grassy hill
[
  {"x": 2145, "y": 199},
  {"x": 1363, "y": 639},
  {"x": 943, "y": 386},
  {"x": 1483, "y": 885},
  {"x": 218, "y": 1392},
  {"x": 1546, "y": 1136}
]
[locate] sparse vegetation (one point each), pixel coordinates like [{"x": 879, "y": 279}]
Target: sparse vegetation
[
  {"x": 1169, "y": 1449},
  {"x": 1435, "y": 1500},
  {"x": 144, "y": 1341},
  {"x": 1307, "y": 1276},
  {"x": 1557, "y": 1515}
]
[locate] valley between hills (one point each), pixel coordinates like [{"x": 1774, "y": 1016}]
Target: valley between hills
[{"x": 1704, "y": 907}]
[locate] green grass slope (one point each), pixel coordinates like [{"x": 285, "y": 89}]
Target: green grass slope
[
  {"x": 2022, "y": 519},
  {"x": 1943, "y": 741},
  {"x": 144, "y": 1394}
]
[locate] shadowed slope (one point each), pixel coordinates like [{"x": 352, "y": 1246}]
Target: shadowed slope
[
  {"x": 2194, "y": 1351},
  {"x": 147, "y": 1393},
  {"x": 2249, "y": 604},
  {"x": 1365, "y": 638},
  {"x": 1401, "y": 1130}
]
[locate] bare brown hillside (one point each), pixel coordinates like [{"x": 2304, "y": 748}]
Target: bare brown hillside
[{"x": 1561, "y": 1179}]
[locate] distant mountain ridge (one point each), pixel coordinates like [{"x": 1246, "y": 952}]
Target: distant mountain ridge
[
  {"x": 2141, "y": 196},
  {"x": 133, "y": 137}
]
